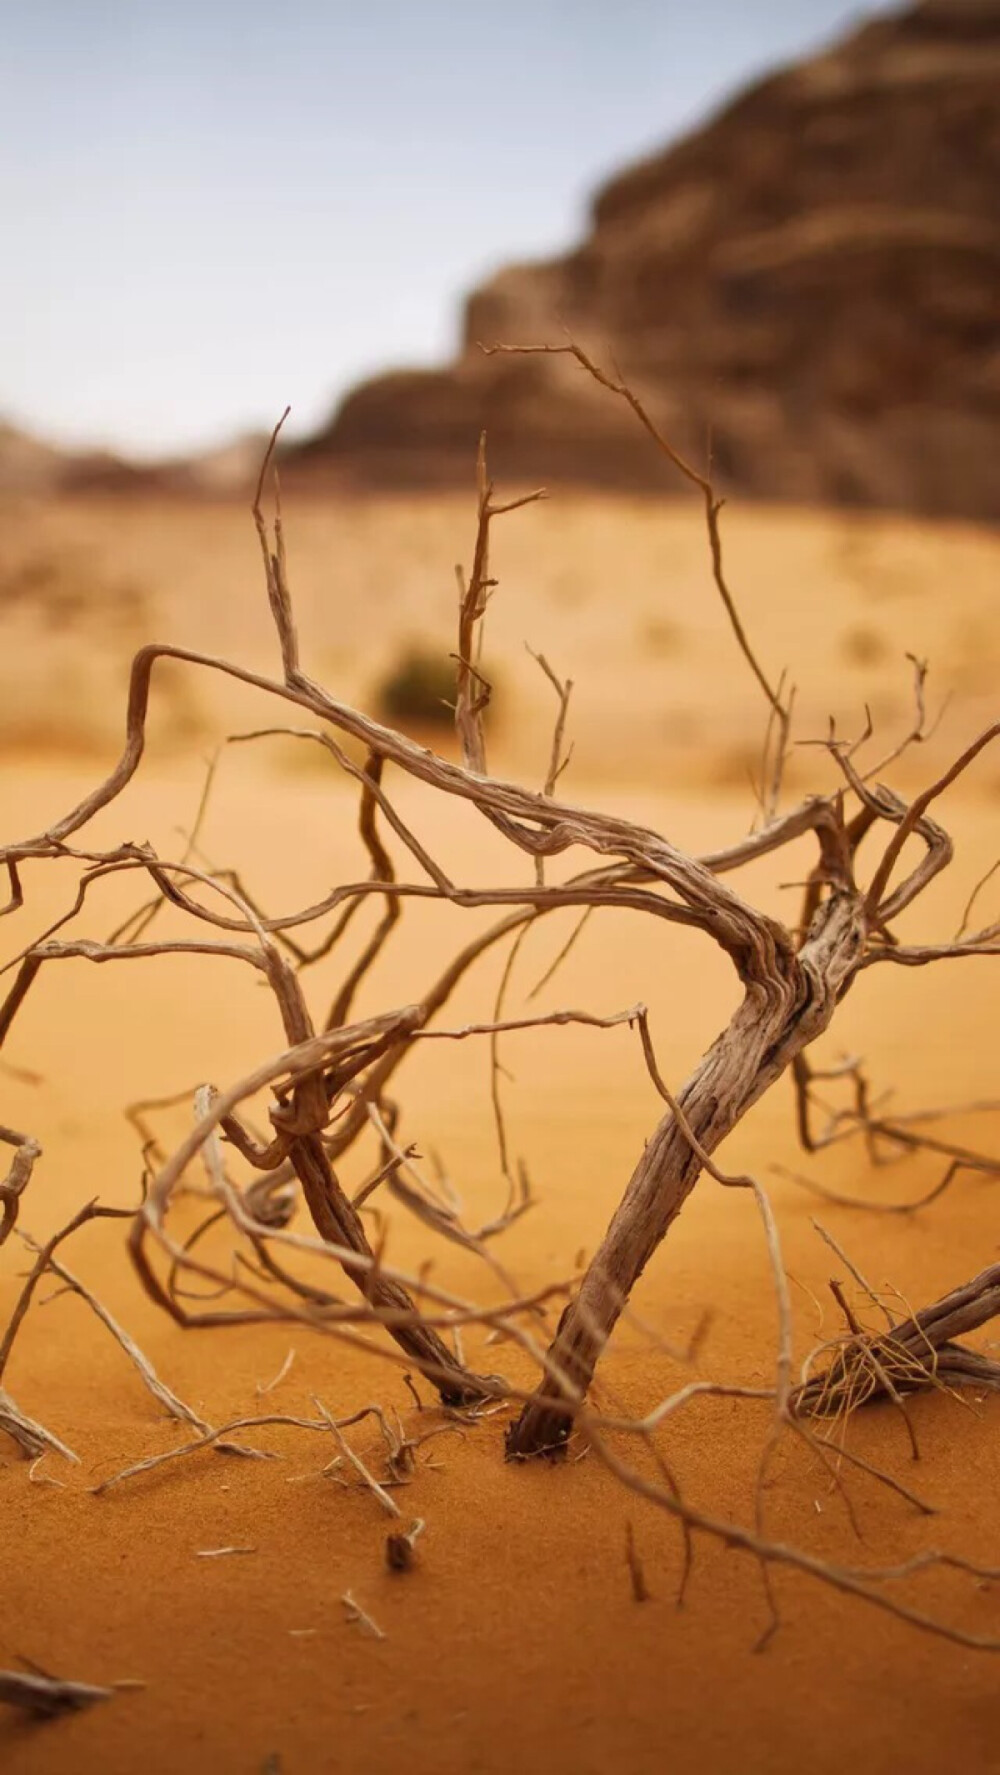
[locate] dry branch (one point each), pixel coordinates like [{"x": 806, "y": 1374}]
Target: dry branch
[
  {"x": 914, "y": 1354},
  {"x": 328, "y": 1082},
  {"x": 46, "y": 1697},
  {"x": 18, "y": 1177}
]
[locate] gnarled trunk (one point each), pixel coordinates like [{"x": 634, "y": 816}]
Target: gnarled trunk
[
  {"x": 783, "y": 1010},
  {"x": 337, "y": 1220}
]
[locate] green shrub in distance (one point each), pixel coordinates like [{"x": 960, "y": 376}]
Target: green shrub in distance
[{"x": 419, "y": 687}]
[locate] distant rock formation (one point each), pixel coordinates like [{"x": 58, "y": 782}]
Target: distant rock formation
[
  {"x": 29, "y": 467},
  {"x": 26, "y": 464},
  {"x": 812, "y": 280}
]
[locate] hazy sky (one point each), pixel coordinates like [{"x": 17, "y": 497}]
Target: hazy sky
[{"x": 213, "y": 207}]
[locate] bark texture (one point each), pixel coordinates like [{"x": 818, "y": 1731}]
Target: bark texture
[
  {"x": 337, "y": 1220},
  {"x": 783, "y": 1010}
]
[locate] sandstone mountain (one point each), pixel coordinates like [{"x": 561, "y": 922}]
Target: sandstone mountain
[
  {"x": 28, "y": 466},
  {"x": 812, "y": 280},
  {"x": 33, "y": 468}
]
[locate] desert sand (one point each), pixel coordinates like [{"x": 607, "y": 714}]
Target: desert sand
[
  {"x": 615, "y": 592},
  {"x": 516, "y": 1639}
]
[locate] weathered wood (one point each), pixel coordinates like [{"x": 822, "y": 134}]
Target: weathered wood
[
  {"x": 790, "y": 1002},
  {"x": 917, "y": 1353},
  {"x": 338, "y": 1221}
]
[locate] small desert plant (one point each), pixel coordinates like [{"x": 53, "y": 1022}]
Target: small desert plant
[
  {"x": 419, "y": 687},
  {"x": 864, "y": 646}
]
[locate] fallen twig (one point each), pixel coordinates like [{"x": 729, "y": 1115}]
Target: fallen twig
[
  {"x": 47, "y": 1697},
  {"x": 359, "y": 1617}
]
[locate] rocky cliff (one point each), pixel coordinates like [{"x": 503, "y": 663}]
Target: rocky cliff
[{"x": 812, "y": 280}]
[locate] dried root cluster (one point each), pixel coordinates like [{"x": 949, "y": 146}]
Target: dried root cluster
[{"x": 332, "y": 1082}]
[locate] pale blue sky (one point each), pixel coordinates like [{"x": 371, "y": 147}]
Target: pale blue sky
[{"x": 213, "y": 207}]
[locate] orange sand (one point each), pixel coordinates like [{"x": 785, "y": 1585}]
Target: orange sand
[
  {"x": 616, "y": 593},
  {"x": 516, "y": 1643}
]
